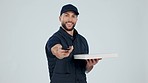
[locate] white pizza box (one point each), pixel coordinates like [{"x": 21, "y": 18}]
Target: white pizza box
[{"x": 95, "y": 56}]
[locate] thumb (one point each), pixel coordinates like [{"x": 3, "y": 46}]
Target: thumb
[{"x": 71, "y": 48}]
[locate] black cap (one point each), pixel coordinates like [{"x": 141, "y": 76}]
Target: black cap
[{"x": 69, "y": 7}]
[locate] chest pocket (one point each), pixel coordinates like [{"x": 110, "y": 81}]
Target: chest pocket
[{"x": 80, "y": 46}]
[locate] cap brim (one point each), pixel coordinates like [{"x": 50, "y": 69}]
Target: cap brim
[{"x": 77, "y": 13}]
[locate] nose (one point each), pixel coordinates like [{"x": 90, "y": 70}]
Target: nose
[{"x": 70, "y": 19}]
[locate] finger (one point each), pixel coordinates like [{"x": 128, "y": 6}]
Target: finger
[
  {"x": 99, "y": 58},
  {"x": 65, "y": 53},
  {"x": 58, "y": 46},
  {"x": 91, "y": 60},
  {"x": 94, "y": 61},
  {"x": 88, "y": 61},
  {"x": 61, "y": 51},
  {"x": 71, "y": 49}
]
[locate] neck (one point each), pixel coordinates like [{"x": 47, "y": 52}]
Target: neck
[{"x": 69, "y": 32}]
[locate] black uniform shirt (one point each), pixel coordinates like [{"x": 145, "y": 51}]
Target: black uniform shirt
[{"x": 67, "y": 70}]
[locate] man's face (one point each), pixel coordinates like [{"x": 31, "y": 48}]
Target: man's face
[{"x": 68, "y": 20}]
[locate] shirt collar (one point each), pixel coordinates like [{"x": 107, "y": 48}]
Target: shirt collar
[{"x": 68, "y": 35}]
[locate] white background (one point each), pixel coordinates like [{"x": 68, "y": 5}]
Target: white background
[{"x": 119, "y": 26}]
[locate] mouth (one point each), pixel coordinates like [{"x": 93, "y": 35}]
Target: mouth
[{"x": 70, "y": 24}]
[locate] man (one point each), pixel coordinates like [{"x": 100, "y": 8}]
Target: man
[{"x": 61, "y": 47}]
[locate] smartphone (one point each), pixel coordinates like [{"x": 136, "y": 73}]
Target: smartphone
[{"x": 65, "y": 48}]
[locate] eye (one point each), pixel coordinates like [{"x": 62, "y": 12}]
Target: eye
[
  {"x": 66, "y": 15},
  {"x": 74, "y": 16}
]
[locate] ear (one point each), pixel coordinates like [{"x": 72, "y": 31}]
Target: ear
[
  {"x": 60, "y": 18},
  {"x": 77, "y": 19}
]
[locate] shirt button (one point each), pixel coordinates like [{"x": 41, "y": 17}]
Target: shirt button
[{"x": 72, "y": 38}]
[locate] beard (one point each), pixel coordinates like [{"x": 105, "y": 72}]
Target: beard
[{"x": 64, "y": 26}]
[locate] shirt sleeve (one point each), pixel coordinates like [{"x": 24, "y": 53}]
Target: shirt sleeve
[{"x": 50, "y": 43}]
